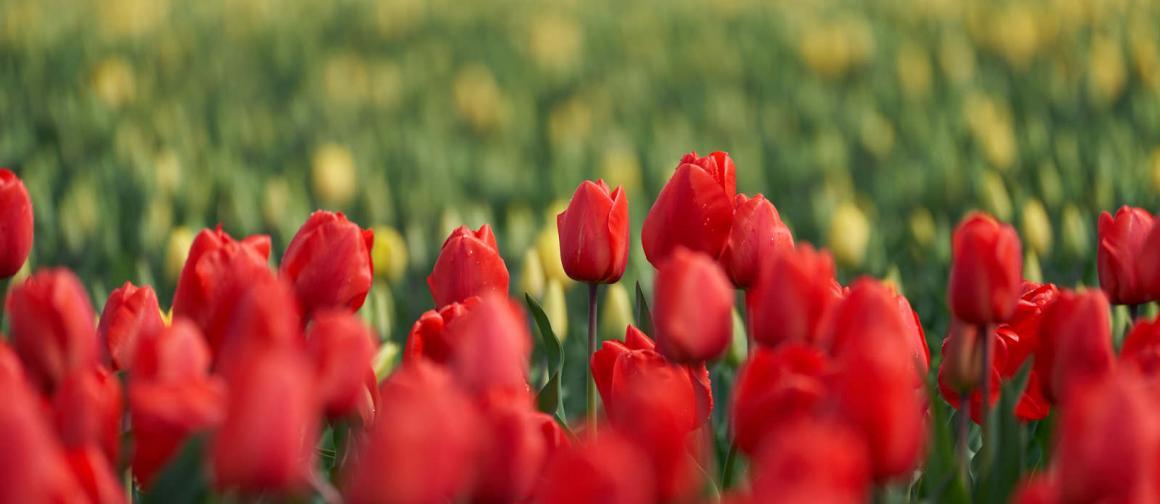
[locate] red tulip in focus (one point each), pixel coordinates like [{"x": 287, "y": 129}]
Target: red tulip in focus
[
  {"x": 775, "y": 387},
  {"x": 756, "y": 237},
  {"x": 51, "y": 323},
  {"x": 88, "y": 408},
  {"x": 131, "y": 313},
  {"x": 33, "y": 467},
  {"x": 422, "y": 445},
  {"x": 329, "y": 263},
  {"x": 1122, "y": 255},
  {"x": 1075, "y": 342},
  {"x": 694, "y": 209},
  {"x": 492, "y": 348},
  {"x": 341, "y": 347},
  {"x": 469, "y": 264},
  {"x": 791, "y": 297},
  {"x": 693, "y": 308},
  {"x": 512, "y": 453},
  {"x": 809, "y": 461},
  {"x": 986, "y": 271},
  {"x": 608, "y": 469},
  {"x": 594, "y": 233},
  {"x": 16, "y": 221},
  {"x": 428, "y": 338}
]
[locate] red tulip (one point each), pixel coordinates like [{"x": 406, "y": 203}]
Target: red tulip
[
  {"x": 962, "y": 359},
  {"x": 1038, "y": 489},
  {"x": 468, "y": 265},
  {"x": 52, "y": 326},
  {"x": 812, "y": 461},
  {"x": 265, "y": 319},
  {"x": 96, "y": 475},
  {"x": 616, "y": 361},
  {"x": 693, "y": 308},
  {"x": 694, "y": 210},
  {"x": 329, "y": 263},
  {"x": 1075, "y": 342},
  {"x": 422, "y": 445},
  {"x": 492, "y": 349},
  {"x": 512, "y": 453},
  {"x": 342, "y": 347},
  {"x": 16, "y": 223},
  {"x": 915, "y": 336},
  {"x": 10, "y": 367},
  {"x": 594, "y": 233},
  {"x": 1024, "y": 324},
  {"x": 776, "y": 386},
  {"x": 33, "y": 467},
  {"x": 130, "y": 314},
  {"x": 177, "y": 354},
  {"x": 1141, "y": 348},
  {"x": 608, "y": 469},
  {"x": 555, "y": 438},
  {"x": 428, "y": 338},
  {"x": 756, "y": 237},
  {"x": 1122, "y": 255},
  {"x": 88, "y": 408},
  {"x": 791, "y": 297},
  {"x": 1149, "y": 265},
  {"x": 986, "y": 272}
]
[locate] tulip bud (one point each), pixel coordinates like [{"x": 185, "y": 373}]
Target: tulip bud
[
  {"x": 791, "y": 297},
  {"x": 775, "y": 387},
  {"x": 1036, "y": 228},
  {"x": 1075, "y": 342},
  {"x": 556, "y": 308},
  {"x": 986, "y": 272},
  {"x": 389, "y": 253},
  {"x": 694, "y": 209},
  {"x": 607, "y": 468},
  {"x": 329, "y": 263},
  {"x": 428, "y": 338},
  {"x": 962, "y": 357},
  {"x": 693, "y": 306},
  {"x": 756, "y": 237},
  {"x": 51, "y": 326},
  {"x": 131, "y": 314},
  {"x": 1121, "y": 255},
  {"x": 593, "y": 233},
  {"x": 810, "y": 461},
  {"x": 469, "y": 265},
  {"x": 849, "y": 234},
  {"x": 16, "y": 220},
  {"x": 88, "y": 407},
  {"x": 340, "y": 345}
]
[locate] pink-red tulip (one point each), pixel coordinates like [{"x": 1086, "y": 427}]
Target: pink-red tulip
[
  {"x": 341, "y": 348},
  {"x": 88, "y": 408},
  {"x": 694, "y": 209},
  {"x": 131, "y": 314},
  {"x": 792, "y": 295},
  {"x": 469, "y": 264},
  {"x": 16, "y": 223},
  {"x": 1122, "y": 254},
  {"x": 986, "y": 270},
  {"x": 329, "y": 263},
  {"x": 812, "y": 461},
  {"x": 51, "y": 323},
  {"x": 1075, "y": 342},
  {"x": 757, "y": 236},
  {"x": 428, "y": 338},
  {"x": 607, "y": 469},
  {"x": 777, "y": 386},
  {"x": 693, "y": 308},
  {"x": 492, "y": 348},
  {"x": 594, "y": 233}
]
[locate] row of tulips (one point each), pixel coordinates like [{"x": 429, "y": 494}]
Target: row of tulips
[{"x": 264, "y": 367}]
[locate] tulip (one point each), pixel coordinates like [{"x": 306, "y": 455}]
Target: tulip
[
  {"x": 33, "y": 467},
  {"x": 756, "y": 237},
  {"x": 1075, "y": 342},
  {"x": 1122, "y": 255},
  {"x": 88, "y": 408},
  {"x": 512, "y": 453},
  {"x": 329, "y": 263},
  {"x": 607, "y": 468},
  {"x": 694, "y": 209},
  {"x": 1038, "y": 489},
  {"x": 52, "y": 326},
  {"x": 96, "y": 475},
  {"x": 959, "y": 374},
  {"x": 469, "y": 264},
  {"x": 775, "y": 387},
  {"x": 131, "y": 314},
  {"x": 693, "y": 308},
  {"x": 1141, "y": 349},
  {"x": 16, "y": 221},
  {"x": 492, "y": 347},
  {"x": 341, "y": 347},
  {"x": 555, "y": 438},
  {"x": 594, "y": 233},
  {"x": 986, "y": 270},
  {"x": 791, "y": 297},
  {"x": 919, "y": 350},
  {"x": 428, "y": 338},
  {"x": 265, "y": 319},
  {"x": 10, "y": 367},
  {"x": 812, "y": 461},
  {"x": 177, "y": 354},
  {"x": 1149, "y": 264}
]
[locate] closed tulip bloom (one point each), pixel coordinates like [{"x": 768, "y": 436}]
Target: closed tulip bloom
[
  {"x": 959, "y": 370},
  {"x": 986, "y": 270},
  {"x": 1122, "y": 255},
  {"x": 512, "y": 453},
  {"x": 809, "y": 461},
  {"x": 341, "y": 347},
  {"x": 920, "y": 352},
  {"x": 1141, "y": 348},
  {"x": 791, "y": 297},
  {"x": 607, "y": 469},
  {"x": 693, "y": 308},
  {"x": 131, "y": 313},
  {"x": 693, "y": 210},
  {"x": 265, "y": 319},
  {"x": 329, "y": 263},
  {"x": 178, "y": 353},
  {"x": 33, "y": 467},
  {"x": 775, "y": 387},
  {"x": 88, "y": 409},
  {"x": 469, "y": 264},
  {"x": 51, "y": 324},
  {"x": 1075, "y": 342},
  {"x": 96, "y": 475},
  {"x": 492, "y": 349},
  {"x": 594, "y": 233},
  {"x": 756, "y": 237},
  {"x": 429, "y": 338},
  {"x": 16, "y": 223}
]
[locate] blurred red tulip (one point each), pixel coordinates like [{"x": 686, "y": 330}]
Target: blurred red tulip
[
  {"x": 776, "y": 386},
  {"x": 1038, "y": 489},
  {"x": 512, "y": 453},
  {"x": 177, "y": 354},
  {"x": 1075, "y": 342},
  {"x": 554, "y": 436},
  {"x": 1141, "y": 349},
  {"x": 791, "y": 297},
  {"x": 962, "y": 358},
  {"x": 33, "y": 467},
  {"x": 594, "y": 233},
  {"x": 986, "y": 271},
  {"x": 469, "y": 264},
  {"x": 51, "y": 323},
  {"x": 693, "y": 308},
  {"x": 341, "y": 347},
  {"x": 608, "y": 469},
  {"x": 428, "y": 338},
  {"x": 88, "y": 408},
  {"x": 1122, "y": 255},
  {"x": 915, "y": 336},
  {"x": 265, "y": 319},
  {"x": 693, "y": 210},
  {"x": 16, "y": 221},
  {"x": 811, "y": 461},
  {"x": 756, "y": 237},
  {"x": 10, "y": 367},
  {"x": 96, "y": 475},
  {"x": 329, "y": 263},
  {"x": 492, "y": 347},
  {"x": 131, "y": 313}
]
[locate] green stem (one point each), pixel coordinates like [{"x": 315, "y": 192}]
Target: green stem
[
  {"x": 730, "y": 462},
  {"x": 963, "y": 427},
  {"x": 591, "y": 389},
  {"x": 985, "y": 403},
  {"x": 4, "y": 283}
]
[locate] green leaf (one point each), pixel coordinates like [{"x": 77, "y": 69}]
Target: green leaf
[
  {"x": 999, "y": 482},
  {"x": 549, "y": 399},
  {"x": 643, "y": 315},
  {"x": 941, "y": 479},
  {"x": 183, "y": 481}
]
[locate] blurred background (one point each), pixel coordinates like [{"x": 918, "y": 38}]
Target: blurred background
[{"x": 872, "y": 126}]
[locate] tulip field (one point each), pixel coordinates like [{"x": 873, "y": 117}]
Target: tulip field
[{"x": 686, "y": 252}]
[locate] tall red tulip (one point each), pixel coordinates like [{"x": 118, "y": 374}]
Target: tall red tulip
[
  {"x": 775, "y": 387},
  {"x": 791, "y": 297},
  {"x": 693, "y": 308},
  {"x": 329, "y": 263},
  {"x": 33, "y": 467},
  {"x": 493, "y": 347},
  {"x": 812, "y": 461},
  {"x": 51, "y": 323},
  {"x": 986, "y": 270},
  {"x": 429, "y": 337},
  {"x": 608, "y": 469},
  {"x": 1075, "y": 342},
  {"x": 694, "y": 210},
  {"x": 469, "y": 264},
  {"x": 131, "y": 313},
  {"x": 594, "y": 233},
  {"x": 1122, "y": 255},
  {"x": 756, "y": 237},
  {"x": 88, "y": 410},
  {"x": 16, "y": 223},
  {"x": 341, "y": 347}
]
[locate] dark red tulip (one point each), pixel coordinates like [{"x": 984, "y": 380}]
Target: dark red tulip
[
  {"x": 812, "y": 461},
  {"x": 1141, "y": 349},
  {"x": 341, "y": 347},
  {"x": 1075, "y": 342},
  {"x": 492, "y": 347},
  {"x": 96, "y": 475},
  {"x": 329, "y": 263},
  {"x": 16, "y": 223},
  {"x": 962, "y": 359},
  {"x": 33, "y": 467},
  {"x": 424, "y": 412},
  {"x": 594, "y": 233},
  {"x": 777, "y": 386},
  {"x": 986, "y": 270},
  {"x": 756, "y": 237},
  {"x": 469, "y": 264},
  {"x": 608, "y": 469},
  {"x": 1121, "y": 255},
  {"x": 265, "y": 319},
  {"x": 51, "y": 323},
  {"x": 692, "y": 308},
  {"x": 131, "y": 313},
  {"x": 791, "y": 297},
  {"x": 694, "y": 209},
  {"x": 428, "y": 338},
  {"x": 512, "y": 453},
  {"x": 88, "y": 409},
  {"x": 617, "y": 360}
]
